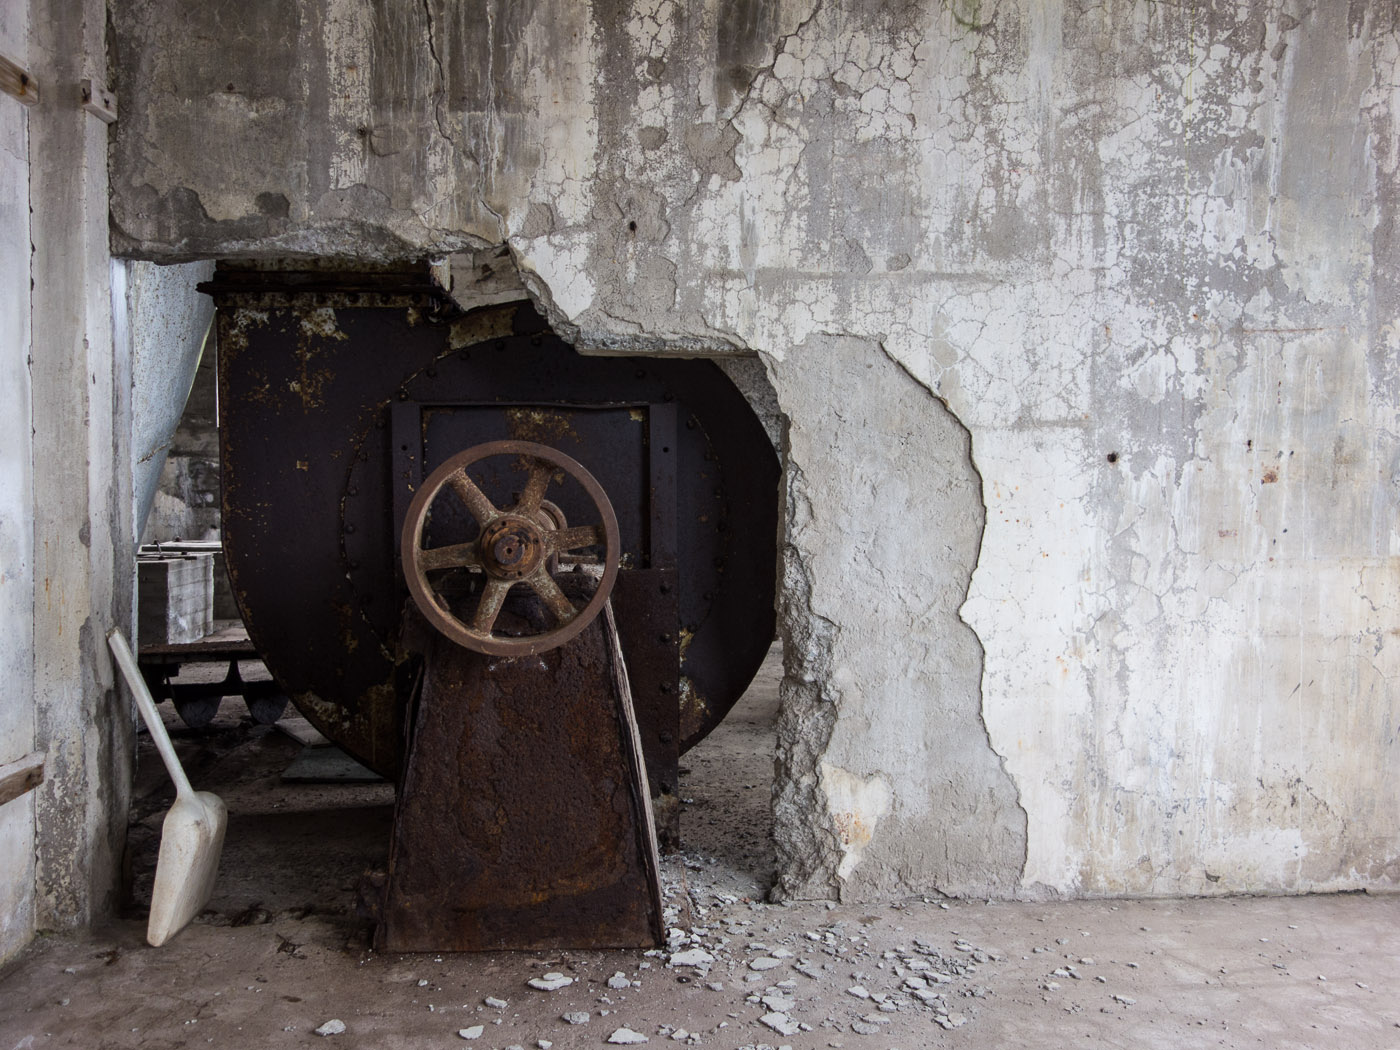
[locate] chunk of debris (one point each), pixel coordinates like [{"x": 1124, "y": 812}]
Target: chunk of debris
[
  {"x": 780, "y": 1023},
  {"x": 764, "y": 962},
  {"x": 335, "y": 1026},
  {"x": 619, "y": 981},
  {"x": 576, "y": 1017},
  {"x": 494, "y": 1003},
  {"x": 550, "y": 982},
  {"x": 697, "y": 957},
  {"x": 626, "y": 1037},
  {"x": 858, "y": 991},
  {"x": 474, "y": 1032}
]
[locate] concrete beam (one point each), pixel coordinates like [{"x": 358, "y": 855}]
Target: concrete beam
[{"x": 82, "y": 479}]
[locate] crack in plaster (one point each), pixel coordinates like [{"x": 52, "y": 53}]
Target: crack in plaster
[{"x": 1132, "y": 189}]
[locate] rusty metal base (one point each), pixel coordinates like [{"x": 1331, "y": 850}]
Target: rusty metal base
[{"x": 523, "y": 819}]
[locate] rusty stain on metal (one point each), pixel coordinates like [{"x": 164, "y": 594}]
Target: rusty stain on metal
[
  {"x": 521, "y": 820},
  {"x": 546, "y": 426},
  {"x": 693, "y": 710},
  {"x": 316, "y": 324}
]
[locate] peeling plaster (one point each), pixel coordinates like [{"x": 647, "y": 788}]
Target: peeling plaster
[
  {"x": 1142, "y": 252},
  {"x": 857, "y": 805}
]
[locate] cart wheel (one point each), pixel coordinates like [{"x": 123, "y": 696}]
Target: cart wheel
[
  {"x": 265, "y": 706},
  {"x": 197, "y": 712}
]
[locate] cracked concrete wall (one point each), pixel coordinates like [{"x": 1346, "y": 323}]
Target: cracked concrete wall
[
  {"x": 16, "y": 499},
  {"x": 1144, "y": 253},
  {"x": 75, "y": 405},
  {"x": 886, "y": 783}
]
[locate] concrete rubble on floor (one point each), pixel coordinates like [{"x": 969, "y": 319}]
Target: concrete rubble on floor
[{"x": 1278, "y": 972}]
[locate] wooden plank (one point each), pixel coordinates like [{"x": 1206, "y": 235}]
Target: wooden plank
[
  {"x": 190, "y": 652},
  {"x": 98, "y": 101},
  {"x": 21, "y": 775},
  {"x": 15, "y": 80}
]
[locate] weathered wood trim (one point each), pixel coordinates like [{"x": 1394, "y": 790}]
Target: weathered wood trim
[
  {"x": 15, "y": 80},
  {"x": 21, "y": 775}
]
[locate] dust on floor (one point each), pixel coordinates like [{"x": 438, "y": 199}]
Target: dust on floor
[{"x": 281, "y": 951}]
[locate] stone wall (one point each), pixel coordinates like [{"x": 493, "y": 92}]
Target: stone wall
[{"x": 1109, "y": 287}]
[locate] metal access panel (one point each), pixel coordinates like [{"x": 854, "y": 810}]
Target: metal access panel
[{"x": 624, "y": 444}]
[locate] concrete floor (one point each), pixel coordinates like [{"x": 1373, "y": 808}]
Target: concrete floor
[{"x": 280, "y": 950}]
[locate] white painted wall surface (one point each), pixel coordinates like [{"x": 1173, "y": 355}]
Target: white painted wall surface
[
  {"x": 1154, "y": 232},
  {"x": 16, "y": 496}
]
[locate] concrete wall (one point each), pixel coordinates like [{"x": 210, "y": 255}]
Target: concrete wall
[
  {"x": 1093, "y": 303},
  {"x": 68, "y": 318},
  {"x": 66, "y": 483},
  {"x": 16, "y": 498}
]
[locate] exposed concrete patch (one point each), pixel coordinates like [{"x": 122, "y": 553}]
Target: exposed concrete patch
[
  {"x": 857, "y": 805},
  {"x": 882, "y": 741}
]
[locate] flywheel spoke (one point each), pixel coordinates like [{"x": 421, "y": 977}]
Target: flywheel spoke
[
  {"x": 543, "y": 584},
  {"x": 529, "y": 501},
  {"x": 492, "y": 598},
  {"x": 457, "y": 556},
  {"x": 481, "y": 508},
  {"x": 574, "y": 538}
]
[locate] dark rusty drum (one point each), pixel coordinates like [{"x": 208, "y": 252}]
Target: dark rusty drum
[{"x": 339, "y": 394}]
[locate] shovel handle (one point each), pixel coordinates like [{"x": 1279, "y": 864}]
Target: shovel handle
[{"x": 117, "y": 641}]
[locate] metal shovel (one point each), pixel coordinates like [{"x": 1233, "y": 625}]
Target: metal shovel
[{"x": 193, "y": 832}]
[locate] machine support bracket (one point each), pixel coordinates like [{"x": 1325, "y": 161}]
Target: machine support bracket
[{"x": 523, "y": 819}]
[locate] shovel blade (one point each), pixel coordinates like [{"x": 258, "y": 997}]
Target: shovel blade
[{"x": 190, "y": 842}]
